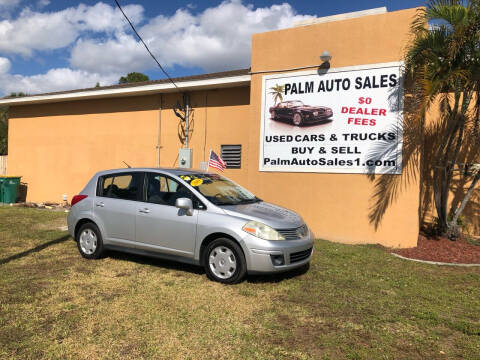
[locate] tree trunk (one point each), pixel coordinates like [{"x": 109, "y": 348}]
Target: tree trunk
[
  {"x": 442, "y": 159},
  {"x": 441, "y": 176},
  {"x": 461, "y": 118},
  {"x": 453, "y": 231}
]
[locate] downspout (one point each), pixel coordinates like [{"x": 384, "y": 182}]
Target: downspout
[
  {"x": 187, "y": 114},
  {"x": 206, "y": 120},
  {"x": 159, "y": 130}
]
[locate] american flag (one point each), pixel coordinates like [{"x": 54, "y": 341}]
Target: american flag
[{"x": 216, "y": 161}]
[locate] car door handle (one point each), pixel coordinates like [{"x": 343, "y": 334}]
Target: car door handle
[
  {"x": 100, "y": 204},
  {"x": 144, "y": 210}
]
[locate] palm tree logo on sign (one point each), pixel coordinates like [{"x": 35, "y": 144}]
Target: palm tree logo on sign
[{"x": 277, "y": 93}]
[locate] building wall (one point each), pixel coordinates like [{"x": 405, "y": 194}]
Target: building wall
[
  {"x": 336, "y": 206},
  {"x": 57, "y": 147},
  {"x": 470, "y": 217},
  {"x": 219, "y": 117},
  {"x": 3, "y": 164}
]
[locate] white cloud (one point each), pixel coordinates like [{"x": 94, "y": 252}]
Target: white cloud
[
  {"x": 42, "y": 3},
  {"x": 43, "y": 31},
  {"x": 217, "y": 39},
  {"x": 122, "y": 54},
  {"x": 4, "y": 65},
  {"x": 9, "y": 3},
  {"x": 53, "y": 80},
  {"x": 6, "y": 6},
  {"x": 103, "y": 17}
]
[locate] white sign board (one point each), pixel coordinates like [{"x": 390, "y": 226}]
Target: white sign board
[{"x": 346, "y": 120}]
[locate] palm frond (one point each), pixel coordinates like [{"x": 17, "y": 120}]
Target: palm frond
[{"x": 442, "y": 69}]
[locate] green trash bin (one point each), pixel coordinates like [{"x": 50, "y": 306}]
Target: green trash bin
[
  {"x": 9, "y": 189},
  {"x": 2, "y": 179}
]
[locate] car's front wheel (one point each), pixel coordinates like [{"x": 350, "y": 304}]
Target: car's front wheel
[
  {"x": 273, "y": 114},
  {"x": 89, "y": 241},
  {"x": 297, "y": 119},
  {"x": 224, "y": 261}
]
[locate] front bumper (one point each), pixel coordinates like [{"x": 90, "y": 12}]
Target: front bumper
[
  {"x": 296, "y": 253},
  {"x": 323, "y": 117}
]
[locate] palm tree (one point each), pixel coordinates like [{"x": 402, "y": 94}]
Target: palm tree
[
  {"x": 443, "y": 69},
  {"x": 277, "y": 92}
]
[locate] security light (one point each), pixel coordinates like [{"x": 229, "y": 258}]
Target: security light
[{"x": 325, "y": 57}]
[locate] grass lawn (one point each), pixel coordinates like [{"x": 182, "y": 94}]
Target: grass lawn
[{"x": 356, "y": 302}]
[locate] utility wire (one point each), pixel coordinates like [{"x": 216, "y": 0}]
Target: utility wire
[{"x": 143, "y": 42}]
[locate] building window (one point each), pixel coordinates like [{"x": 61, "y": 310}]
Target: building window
[{"x": 232, "y": 155}]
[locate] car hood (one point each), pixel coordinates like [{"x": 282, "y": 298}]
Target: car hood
[
  {"x": 308, "y": 107},
  {"x": 272, "y": 215}
]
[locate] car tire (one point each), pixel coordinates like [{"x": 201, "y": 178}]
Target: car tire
[
  {"x": 89, "y": 241},
  {"x": 273, "y": 115},
  {"x": 297, "y": 119},
  {"x": 224, "y": 261}
]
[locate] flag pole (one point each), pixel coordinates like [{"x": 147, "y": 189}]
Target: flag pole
[{"x": 208, "y": 163}]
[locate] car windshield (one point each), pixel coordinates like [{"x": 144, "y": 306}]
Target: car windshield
[
  {"x": 219, "y": 190},
  {"x": 296, "y": 103}
]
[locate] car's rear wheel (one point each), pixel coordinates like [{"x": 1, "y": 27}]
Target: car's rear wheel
[
  {"x": 224, "y": 261},
  {"x": 297, "y": 119},
  {"x": 89, "y": 241}
]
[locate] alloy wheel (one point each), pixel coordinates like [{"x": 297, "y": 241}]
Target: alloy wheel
[{"x": 297, "y": 119}]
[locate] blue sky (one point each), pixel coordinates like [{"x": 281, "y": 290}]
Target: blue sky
[{"x": 48, "y": 45}]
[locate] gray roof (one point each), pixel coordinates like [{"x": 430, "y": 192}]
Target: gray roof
[{"x": 143, "y": 83}]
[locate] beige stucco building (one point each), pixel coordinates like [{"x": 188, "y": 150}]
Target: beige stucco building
[{"x": 58, "y": 141}]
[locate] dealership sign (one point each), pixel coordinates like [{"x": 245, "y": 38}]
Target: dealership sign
[{"x": 346, "y": 120}]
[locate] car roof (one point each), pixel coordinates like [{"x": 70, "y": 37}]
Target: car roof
[{"x": 171, "y": 171}]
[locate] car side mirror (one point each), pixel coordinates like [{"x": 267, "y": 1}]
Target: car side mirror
[{"x": 185, "y": 204}]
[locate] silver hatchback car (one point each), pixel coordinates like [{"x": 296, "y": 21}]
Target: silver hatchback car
[{"x": 189, "y": 216}]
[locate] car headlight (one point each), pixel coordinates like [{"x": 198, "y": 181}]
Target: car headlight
[
  {"x": 262, "y": 231},
  {"x": 302, "y": 231}
]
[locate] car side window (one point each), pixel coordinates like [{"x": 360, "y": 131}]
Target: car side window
[
  {"x": 163, "y": 190},
  {"x": 121, "y": 186}
]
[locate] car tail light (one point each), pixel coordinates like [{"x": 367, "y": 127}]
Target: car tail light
[{"x": 78, "y": 198}]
